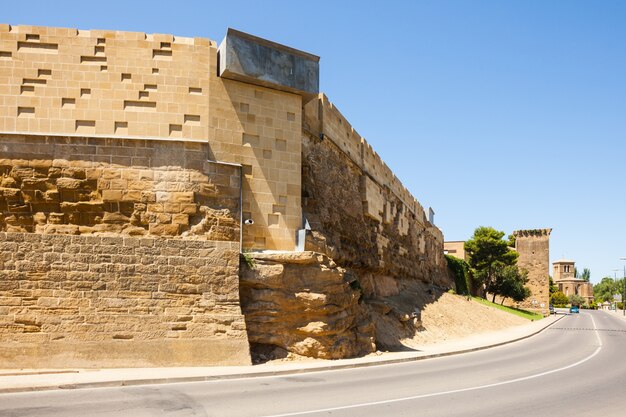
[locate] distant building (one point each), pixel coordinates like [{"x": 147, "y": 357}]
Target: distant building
[
  {"x": 455, "y": 248},
  {"x": 563, "y": 275}
]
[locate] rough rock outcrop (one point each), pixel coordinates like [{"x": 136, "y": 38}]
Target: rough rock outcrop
[{"x": 304, "y": 303}]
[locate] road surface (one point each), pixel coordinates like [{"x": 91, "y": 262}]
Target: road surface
[{"x": 577, "y": 367}]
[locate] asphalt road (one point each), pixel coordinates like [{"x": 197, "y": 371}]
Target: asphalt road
[{"x": 577, "y": 367}]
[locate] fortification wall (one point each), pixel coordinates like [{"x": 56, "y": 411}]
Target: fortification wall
[
  {"x": 118, "y": 253},
  {"x": 121, "y": 85},
  {"x": 533, "y": 247},
  {"x": 116, "y": 135},
  {"x": 106, "y": 301},
  {"x": 323, "y": 118},
  {"x": 357, "y": 209}
]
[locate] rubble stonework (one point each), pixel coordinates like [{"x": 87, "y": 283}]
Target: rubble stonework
[
  {"x": 72, "y": 185},
  {"x": 135, "y": 139},
  {"x": 384, "y": 230}
]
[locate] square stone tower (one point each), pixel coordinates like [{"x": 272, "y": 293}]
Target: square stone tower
[{"x": 533, "y": 247}]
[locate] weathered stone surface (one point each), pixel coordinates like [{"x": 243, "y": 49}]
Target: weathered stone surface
[
  {"x": 107, "y": 301},
  {"x": 258, "y": 61},
  {"x": 304, "y": 303},
  {"x": 341, "y": 229},
  {"x": 79, "y": 196}
]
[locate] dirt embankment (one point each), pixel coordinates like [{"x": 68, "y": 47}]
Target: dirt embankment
[
  {"x": 453, "y": 316},
  {"x": 447, "y": 318}
]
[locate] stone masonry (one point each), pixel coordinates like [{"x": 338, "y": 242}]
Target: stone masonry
[
  {"x": 118, "y": 253},
  {"x": 127, "y": 164},
  {"x": 105, "y": 301},
  {"x": 533, "y": 247}
]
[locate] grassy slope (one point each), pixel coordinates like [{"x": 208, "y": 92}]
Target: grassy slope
[{"x": 518, "y": 312}]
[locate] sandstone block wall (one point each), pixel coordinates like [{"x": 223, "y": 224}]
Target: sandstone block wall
[
  {"x": 65, "y": 80},
  {"x": 118, "y": 253},
  {"x": 132, "y": 136},
  {"x": 61, "y": 81},
  {"x": 64, "y": 185},
  {"x": 104, "y": 301},
  {"x": 268, "y": 123}
]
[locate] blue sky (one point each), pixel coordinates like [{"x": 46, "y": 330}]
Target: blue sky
[{"x": 510, "y": 114}]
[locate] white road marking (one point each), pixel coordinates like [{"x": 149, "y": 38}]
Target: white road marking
[{"x": 435, "y": 394}]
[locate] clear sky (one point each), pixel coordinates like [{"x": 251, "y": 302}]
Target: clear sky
[{"x": 509, "y": 114}]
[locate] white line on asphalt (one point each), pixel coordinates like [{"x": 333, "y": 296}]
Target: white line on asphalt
[
  {"x": 435, "y": 394},
  {"x": 596, "y": 329}
]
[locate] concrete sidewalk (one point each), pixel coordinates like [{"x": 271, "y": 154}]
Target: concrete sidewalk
[{"x": 39, "y": 379}]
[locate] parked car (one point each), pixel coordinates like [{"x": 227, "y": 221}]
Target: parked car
[{"x": 574, "y": 309}]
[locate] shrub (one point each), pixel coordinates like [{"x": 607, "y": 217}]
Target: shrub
[
  {"x": 559, "y": 299},
  {"x": 461, "y": 271}
]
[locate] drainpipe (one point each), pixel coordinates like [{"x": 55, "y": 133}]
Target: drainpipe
[{"x": 240, "y": 209}]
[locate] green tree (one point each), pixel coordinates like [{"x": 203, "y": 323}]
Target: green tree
[
  {"x": 605, "y": 289},
  {"x": 586, "y": 275},
  {"x": 511, "y": 241},
  {"x": 511, "y": 282},
  {"x": 488, "y": 254},
  {"x": 558, "y": 299},
  {"x": 576, "y": 300}
]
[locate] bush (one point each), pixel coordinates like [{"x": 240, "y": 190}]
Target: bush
[
  {"x": 559, "y": 299},
  {"x": 461, "y": 271}
]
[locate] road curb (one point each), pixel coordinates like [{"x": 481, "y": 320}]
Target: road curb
[{"x": 171, "y": 380}]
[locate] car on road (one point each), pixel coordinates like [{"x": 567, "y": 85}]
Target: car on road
[{"x": 574, "y": 309}]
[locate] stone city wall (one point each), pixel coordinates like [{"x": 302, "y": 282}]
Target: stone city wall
[
  {"x": 369, "y": 224},
  {"x": 71, "y": 185},
  {"x": 361, "y": 213},
  {"x": 107, "y": 301},
  {"x": 114, "y": 84},
  {"x": 114, "y": 135},
  {"x": 335, "y": 127},
  {"x": 118, "y": 253}
]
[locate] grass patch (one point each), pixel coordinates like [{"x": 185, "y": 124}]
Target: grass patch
[{"x": 517, "y": 311}]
